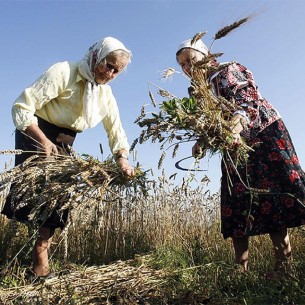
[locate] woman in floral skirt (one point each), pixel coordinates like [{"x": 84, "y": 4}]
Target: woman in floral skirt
[{"x": 273, "y": 167}]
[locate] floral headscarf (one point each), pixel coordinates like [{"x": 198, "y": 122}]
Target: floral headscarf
[{"x": 96, "y": 53}]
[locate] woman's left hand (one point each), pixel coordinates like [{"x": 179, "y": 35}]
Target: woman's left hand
[{"x": 127, "y": 169}]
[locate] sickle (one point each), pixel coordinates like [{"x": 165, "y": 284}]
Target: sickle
[{"x": 177, "y": 165}]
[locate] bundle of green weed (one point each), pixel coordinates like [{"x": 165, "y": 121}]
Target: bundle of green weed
[{"x": 202, "y": 117}]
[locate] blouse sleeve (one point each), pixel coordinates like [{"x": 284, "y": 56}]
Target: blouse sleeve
[
  {"x": 46, "y": 87},
  {"x": 112, "y": 123},
  {"x": 236, "y": 82}
]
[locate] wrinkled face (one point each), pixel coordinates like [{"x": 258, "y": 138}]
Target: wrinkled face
[
  {"x": 186, "y": 59},
  {"x": 110, "y": 67}
]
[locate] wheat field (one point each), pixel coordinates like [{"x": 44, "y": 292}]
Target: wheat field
[
  {"x": 151, "y": 241},
  {"x": 159, "y": 247}
]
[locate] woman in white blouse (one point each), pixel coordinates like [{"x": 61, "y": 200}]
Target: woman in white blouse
[{"x": 67, "y": 99}]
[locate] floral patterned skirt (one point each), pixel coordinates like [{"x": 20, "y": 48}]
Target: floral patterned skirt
[{"x": 274, "y": 169}]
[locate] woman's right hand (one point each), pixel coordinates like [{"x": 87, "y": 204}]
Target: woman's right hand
[
  {"x": 44, "y": 145},
  {"x": 237, "y": 128}
]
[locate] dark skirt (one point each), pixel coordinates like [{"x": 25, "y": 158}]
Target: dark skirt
[
  {"x": 274, "y": 168},
  {"x": 22, "y": 141}
]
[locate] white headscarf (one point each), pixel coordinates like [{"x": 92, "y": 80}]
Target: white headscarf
[
  {"x": 96, "y": 53},
  {"x": 198, "y": 46}
]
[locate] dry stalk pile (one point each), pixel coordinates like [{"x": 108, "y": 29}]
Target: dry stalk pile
[
  {"x": 64, "y": 182},
  {"x": 117, "y": 283},
  {"x": 202, "y": 117}
]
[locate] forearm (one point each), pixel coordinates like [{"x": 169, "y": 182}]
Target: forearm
[
  {"x": 43, "y": 143},
  {"x": 36, "y": 133},
  {"x": 121, "y": 158},
  {"x": 122, "y": 153}
]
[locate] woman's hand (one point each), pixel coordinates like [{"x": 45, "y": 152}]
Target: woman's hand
[
  {"x": 44, "y": 145},
  {"x": 48, "y": 148},
  {"x": 237, "y": 128},
  {"x": 197, "y": 151},
  {"x": 127, "y": 169}
]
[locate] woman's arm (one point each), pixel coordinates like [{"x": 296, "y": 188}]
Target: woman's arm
[
  {"x": 117, "y": 137},
  {"x": 236, "y": 82},
  {"x": 43, "y": 143},
  {"x": 47, "y": 87}
]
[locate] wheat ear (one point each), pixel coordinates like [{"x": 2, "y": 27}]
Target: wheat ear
[
  {"x": 229, "y": 28},
  {"x": 197, "y": 37}
]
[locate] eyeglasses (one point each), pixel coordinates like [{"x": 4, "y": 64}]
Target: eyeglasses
[{"x": 110, "y": 66}]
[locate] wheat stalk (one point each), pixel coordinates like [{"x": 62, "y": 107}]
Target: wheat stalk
[
  {"x": 229, "y": 28},
  {"x": 11, "y": 152},
  {"x": 197, "y": 37},
  {"x": 63, "y": 182}
]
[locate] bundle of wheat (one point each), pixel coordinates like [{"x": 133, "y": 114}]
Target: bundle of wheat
[
  {"x": 203, "y": 116},
  {"x": 63, "y": 182}
]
